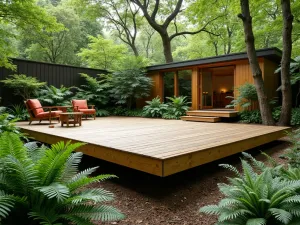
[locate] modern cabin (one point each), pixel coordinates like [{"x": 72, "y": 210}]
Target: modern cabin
[{"x": 208, "y": 82}]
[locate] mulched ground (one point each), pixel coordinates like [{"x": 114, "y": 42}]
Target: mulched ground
[{"x": 174, "y": 200}]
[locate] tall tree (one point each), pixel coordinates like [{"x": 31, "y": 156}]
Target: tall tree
[
  {"x": 20, "y": 13},
  {"x": 264, "y": 105},
  {"x": 174, "y": 8},
  {"x": 286, "y": 89},
  {"x": 125, "y": 18},
  {"x": 103, "y": 53},
  {"x": 265, "y": 109}
]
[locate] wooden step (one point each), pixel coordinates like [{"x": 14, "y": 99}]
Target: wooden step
[
  {"x": 213, "y": 113},
  {"x": 201, "y": 119}
]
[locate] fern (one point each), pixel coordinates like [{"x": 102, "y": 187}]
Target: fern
[
  {"x": 48, "y": 188},
  {"x": 253, "y": 198}
]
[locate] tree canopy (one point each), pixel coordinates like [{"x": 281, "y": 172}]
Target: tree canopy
[{"x": 61, "y": 31}]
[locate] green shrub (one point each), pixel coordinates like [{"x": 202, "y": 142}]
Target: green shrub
[
  {"x": 102, "y": 112},
  {"x": 52, "y": 96},
  {"x": 276, "y": 113},
  {"x": 44, "y": 186},
  {"x": 293, "y": 152},
  {"x": 154, "y": 108},
  {"x": 253, "y": 198},
  {"x": 129, "y": 85},
  {"x": 24, "y": 86},
  {"x": 177, "y": 107},
  {"x": 95, "y": 91},
  {"x": 121, "y": 111},
  {"x": 295, "y": 121},
  {"x": 252, "y": 116},
  {"x": 19, "y": 111},
  {"x": 247, "y": 95},
  {"x": 7, "y": 124}
]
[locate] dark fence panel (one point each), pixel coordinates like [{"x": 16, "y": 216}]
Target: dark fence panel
[{"x": 53, "y": 74}]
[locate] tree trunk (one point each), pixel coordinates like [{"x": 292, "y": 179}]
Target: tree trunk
[
  {"x": 286, "y": 89},
  {"x": 167, "y": 48},
  {"x": 265, "y": 109},
  {"x": 134, "y": 49}
]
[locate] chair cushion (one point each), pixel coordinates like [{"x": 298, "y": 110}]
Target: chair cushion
[
  {"x": 35, "y": 103},
  {"x": 82, "y": 104},
  {"x": 87, "y": 111},
  {"x": 46, "y": 115}
]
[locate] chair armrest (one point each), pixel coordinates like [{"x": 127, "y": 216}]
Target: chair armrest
[
  {"x": 92, "y": 106},
  {"x": 44, "y": 107}
]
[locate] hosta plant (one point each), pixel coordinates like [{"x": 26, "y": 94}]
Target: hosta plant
[
  {"x": 154, "y": 108},
  {"x": 177, "y": 107},
  {"x": 44, "y": 186},
  {"x": 256, "y": 199}
]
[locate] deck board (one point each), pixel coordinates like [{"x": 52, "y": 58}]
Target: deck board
[{"x": 157, "y": 146}]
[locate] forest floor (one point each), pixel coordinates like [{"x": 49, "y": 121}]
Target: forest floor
[{"x": 173, "y": 200}]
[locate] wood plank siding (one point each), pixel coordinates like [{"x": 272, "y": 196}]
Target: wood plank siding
[{"x": 53, "y": 74}]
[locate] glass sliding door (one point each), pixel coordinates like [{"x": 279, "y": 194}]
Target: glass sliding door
[
  {"x": 207, "y": 90},
  {"x": 168, "y": 85}
]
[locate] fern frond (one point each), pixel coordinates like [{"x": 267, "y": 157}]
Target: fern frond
[
  {"x": 78, "y": 183},
  {"x": 71, "y": 166},
  {"x": 256, "y": 221},
  {"x": 211, "y": 210},
  {"x": 6, "y": 204},
  {"x": 76, "y": 219},
  {"x": 10, "y": 144},
  {"x": 94, "y": 195},
  {"x": 281, "y": 215},
  {"x": 102, "y": 213},
  {"x": 52, "y": 164},
  {"x": 231, "y": 168},
  {"x": 22, "y": 174},
  {"x": 55, "y": 190}
]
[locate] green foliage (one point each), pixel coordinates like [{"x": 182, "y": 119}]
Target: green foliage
[
  {"x": 102, "y": 112},
  {"x": 256, "y": 198},
  {"x": 19, "y": 111},
  {"x": 24, "y": 86},
  {"x": 7, "y": 123},
  {"x": 103, "y": 53},
  {"x": 155, "y": 108},
  {"x": 95, "y": 91},
  {"x": 129, "y": 85},
  {"x": 252, "y": 116},
  {"x": 53, "y": 96},
  {"x": 295, "y": 120},
  {"x": 18, "y": 14},
  {"x": 246, "y": 95},
  {"x": 48, "y": 188},
  {"x": 293, "y": 152},
  {"x": 177, "y": 107},
  {"x": 121, "y": 111}
]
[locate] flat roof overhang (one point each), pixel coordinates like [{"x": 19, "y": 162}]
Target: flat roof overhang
[{"x": 273, "y": 54}]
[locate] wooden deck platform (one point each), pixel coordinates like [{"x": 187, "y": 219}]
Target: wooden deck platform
[{"x": 157, "y": 146}]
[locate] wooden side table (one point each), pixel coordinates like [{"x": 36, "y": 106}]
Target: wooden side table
[{"x": 71, "y": 118}]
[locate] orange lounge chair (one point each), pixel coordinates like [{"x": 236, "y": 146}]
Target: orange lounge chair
[
  {"x": 82, "y": 106},
  {"x": 37, "y": 113}
]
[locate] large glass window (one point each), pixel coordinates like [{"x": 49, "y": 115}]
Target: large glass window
[
  {"x": 168, "y": 85},
  {"x": 185, "y": 83}
]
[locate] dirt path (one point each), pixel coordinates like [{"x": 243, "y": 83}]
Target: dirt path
[{"x": 174, "y": 200}]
